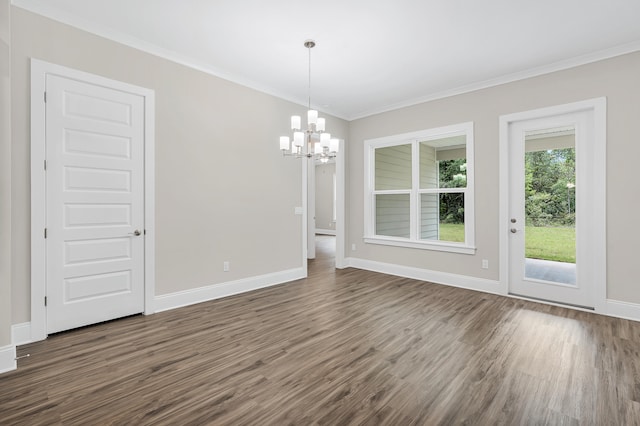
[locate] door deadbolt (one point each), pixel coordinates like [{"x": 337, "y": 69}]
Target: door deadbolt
[{"x": 513, "y": 220}]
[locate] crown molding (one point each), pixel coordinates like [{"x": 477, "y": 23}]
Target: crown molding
[
  {"x": 41, "y": 8},
  {"x": 109, "y": 33},
  {"x": 577, "y": 61}
]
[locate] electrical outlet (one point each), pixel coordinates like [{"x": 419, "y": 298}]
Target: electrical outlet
[
  {"x": 485, "y": 264},
  {"x": 225, "y": 266}
]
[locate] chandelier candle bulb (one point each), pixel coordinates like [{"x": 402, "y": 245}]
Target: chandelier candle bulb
[
  {"x": 298, "y": 138},
  {"x": 324, "y": 139},
  {"x": 312, "y": 116},
  {"x": 333, "y": 145},
  {"x": 295, "y": 122},
  {"x": 284, "y": 143},
  {"x": 320, "y": 125}
]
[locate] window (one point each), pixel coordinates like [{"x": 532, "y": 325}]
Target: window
[{"x": 420, "y": 189}]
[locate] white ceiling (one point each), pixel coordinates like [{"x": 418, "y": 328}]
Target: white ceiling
[{"x": 371, "y": 56}]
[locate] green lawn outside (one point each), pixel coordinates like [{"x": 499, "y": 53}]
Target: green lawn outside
[
  {"x": 544, "y": 242},
  {"x": 452, "y": 232},
  {"x": 551, "y": 243}
]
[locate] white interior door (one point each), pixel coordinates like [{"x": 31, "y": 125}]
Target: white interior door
[
  {"x": 551, "y": 238},
  {"x": 94, "y": 203}
]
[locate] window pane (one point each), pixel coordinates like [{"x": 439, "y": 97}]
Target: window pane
[
  {"x": 393, "y": 167},
  {"x": 453, "y": 173},
  {"x": 392, "y": 215},
  {"x": 442, "y": 217},
  {"x": 443, "y": 163}
]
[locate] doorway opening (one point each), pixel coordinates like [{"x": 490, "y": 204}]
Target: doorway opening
[{"x": 324, "y": 185}]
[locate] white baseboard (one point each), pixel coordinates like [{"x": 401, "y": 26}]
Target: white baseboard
[
  {"x": 21, "y": 333},
  {"x": 613, "y": 308},
  {"x": 166, "y": 302},
  {"x": 454, "y": 280},
  {"x": 8, "y": 359},
  {"x": 326, "y": 231},
  {"x": 626, "y": 310}
]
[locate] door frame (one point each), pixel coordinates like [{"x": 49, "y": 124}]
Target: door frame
[
  {"x": 599, "y": 261},
  {"x": 39, "y": 71},
  {"x": 340, "y": 262}
]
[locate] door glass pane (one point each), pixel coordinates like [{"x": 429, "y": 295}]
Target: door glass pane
[
  {"x": 550, "y": 200},
  {"x": 392, "y": 215},
  {"x": 393, "y": 167},
  {"x": 442, "y": 217}
]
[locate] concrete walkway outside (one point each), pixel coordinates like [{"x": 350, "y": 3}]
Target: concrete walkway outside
[{"x": 547, "y": 270}]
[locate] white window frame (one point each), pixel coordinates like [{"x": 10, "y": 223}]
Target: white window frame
[{"x": 414, "y": 138}]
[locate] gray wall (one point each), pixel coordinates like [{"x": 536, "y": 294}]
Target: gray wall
[
  {"x": 5, "y": 174},
  {"x": 616, "y": 78},
  {"x": 217, "y": 160}
]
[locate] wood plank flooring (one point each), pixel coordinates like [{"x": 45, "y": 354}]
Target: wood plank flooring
[{"x": 341, "y": 347}]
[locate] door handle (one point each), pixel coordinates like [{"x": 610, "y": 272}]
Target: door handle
[
  {"x": 514, "y": 230},
  {"x": 136, "y": 233}
]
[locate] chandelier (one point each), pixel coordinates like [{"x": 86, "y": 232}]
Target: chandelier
[{"x": 319, "y": 143}]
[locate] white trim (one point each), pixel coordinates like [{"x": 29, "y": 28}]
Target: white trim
[
  {"x": 8, "y": 359},
  {"x": 305, "y": 215},
  {"x": 340, "y": 205},
  {"x": 325, "y": 231},
  {"x": 437, "y": 277},
  {"x": 38, "y": 201},
  {"x": 149, "y": 202},
  {"x": 626, "y": 310},
  {"x": 613, "y": 308},
  {"x": 311, "y": 209},
  {"x": 414, "y": 138},
  {"x": 509, "y": 78},
  {"x": 598, "y": 187},
  {"x": 422, "y": 245},
  {"x": 216, "y": 291},
  {"x": 128, "y": 40},
  {"x": 21, "y": 333},
  {"x": 39, "y": 71}
]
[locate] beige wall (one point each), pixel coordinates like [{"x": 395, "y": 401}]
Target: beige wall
[
  {"x": 217, "y": 158},
  {"x": 5, "y": 174},
  {"x": 324, "y": 196},
  {"x": 617, "y": 79}
]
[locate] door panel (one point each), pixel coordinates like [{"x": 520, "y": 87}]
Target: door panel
[
  {"x": 547, "y": 247},
  {"x": 95, "y": 196}
]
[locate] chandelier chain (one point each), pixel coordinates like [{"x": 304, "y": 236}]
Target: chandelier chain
[{"x": 309, "y": 50}]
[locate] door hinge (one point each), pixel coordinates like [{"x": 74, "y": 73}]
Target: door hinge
[
  {"x": 45, "y": 97},
  {"x": 45, "y": 164},
  {"x": 45, "y": 301},
  {"x": 45, "y": 232}
]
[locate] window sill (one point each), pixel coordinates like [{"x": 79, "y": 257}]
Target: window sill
[{"x": 437, "y": 246}]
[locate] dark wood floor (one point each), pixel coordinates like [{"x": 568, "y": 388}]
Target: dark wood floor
[{"x": 341, "y": 347}]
